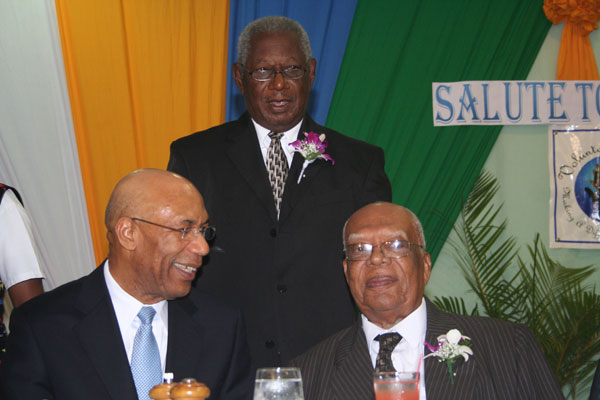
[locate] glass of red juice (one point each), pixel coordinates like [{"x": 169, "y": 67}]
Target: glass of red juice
[{"x": 396, "y": 385}]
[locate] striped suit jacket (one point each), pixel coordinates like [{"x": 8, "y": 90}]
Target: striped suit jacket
[{"x": 507, "y": 363}]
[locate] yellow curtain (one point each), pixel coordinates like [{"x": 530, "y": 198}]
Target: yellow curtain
[
  {"x": 141, "y": 73},
  {"x": 575, "y": 57}
]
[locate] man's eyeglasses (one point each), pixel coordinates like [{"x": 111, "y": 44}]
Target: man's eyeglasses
[
  {"x": 266, "y": 74},
  {"x": 207, "y": 231},
  {"x": 391, "y": 249}
]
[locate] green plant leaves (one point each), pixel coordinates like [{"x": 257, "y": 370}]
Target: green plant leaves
[{"x": 539, "y": 292}]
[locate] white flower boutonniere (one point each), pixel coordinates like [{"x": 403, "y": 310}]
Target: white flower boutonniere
[
  {"x": 450, "y": 348},
  {"x": 311, "y": 148}
]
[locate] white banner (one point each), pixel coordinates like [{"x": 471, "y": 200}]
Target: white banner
[
  {"x": 516, "y": 102},
  {"x": 574, "y": 186}
]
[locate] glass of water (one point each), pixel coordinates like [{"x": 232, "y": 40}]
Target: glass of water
[{"x": 278, "y": 384}]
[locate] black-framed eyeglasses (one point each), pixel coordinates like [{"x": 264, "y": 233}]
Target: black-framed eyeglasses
[
  {"x": 207, "y": 231},
  {"x": 266, "y": 74},
  {"x": 392, "y": 249}
]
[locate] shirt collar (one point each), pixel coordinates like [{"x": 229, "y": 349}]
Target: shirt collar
[
  {"x": 126, "y": 306},
  {"x": 288, "y": 136},
  {"x": 412, "y": 328}
]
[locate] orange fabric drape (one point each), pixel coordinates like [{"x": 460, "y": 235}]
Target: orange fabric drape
[
  {"x": 141, "y": 73},
  {"x": 575, "y": 57}
]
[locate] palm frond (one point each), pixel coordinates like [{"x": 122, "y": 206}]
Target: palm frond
[
  {"x": 455, "y": 305},
  {"x": 575, "y": 327},
  {"x": 481, "y": 252},
  {"x": 541, "y": 293}
]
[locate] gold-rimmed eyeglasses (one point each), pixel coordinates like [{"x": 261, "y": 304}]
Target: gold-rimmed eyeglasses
[
  {"x": 392, "y": 249},
  {"x": 207, "y": 231}
]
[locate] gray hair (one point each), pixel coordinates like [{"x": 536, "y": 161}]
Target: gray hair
[
  {"x": 418, "y": 227},
  {"x": 272, "y": 24}
]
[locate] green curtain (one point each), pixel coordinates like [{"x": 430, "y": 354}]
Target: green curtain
[{"x": 395, "y": 51}]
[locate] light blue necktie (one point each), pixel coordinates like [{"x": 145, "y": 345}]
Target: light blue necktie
[{"x": 145, "y": 358}]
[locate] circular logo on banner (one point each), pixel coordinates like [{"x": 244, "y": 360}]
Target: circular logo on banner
[{"x": 587, "y": 188}]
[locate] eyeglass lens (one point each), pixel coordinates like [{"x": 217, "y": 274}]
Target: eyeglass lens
[
  {"x": 266, "y": 74},
  {"x": 208, "y": 232},
  {"x": 363, "y": 251}
]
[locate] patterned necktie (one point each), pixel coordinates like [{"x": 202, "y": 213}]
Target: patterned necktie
[
  {"x": 145, "y": 358},
  {"x": 277, "y": 167},
  {"x": 387, "y": 343}
]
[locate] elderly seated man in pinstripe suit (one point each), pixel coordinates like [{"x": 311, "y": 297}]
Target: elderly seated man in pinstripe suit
[{"x": 387, "y": 268}]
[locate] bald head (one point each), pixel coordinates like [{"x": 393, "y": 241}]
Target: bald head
[
  {"x": 384, "y": 211},
  {"x": 155, "y": 221},
  {"x": 142, "y": 192}
]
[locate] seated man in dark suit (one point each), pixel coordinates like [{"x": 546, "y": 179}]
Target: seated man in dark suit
[
  {"x": 113, "y": 333},
  {"x": 279, "y": 217},
  {"x": 387, "y": 268}
]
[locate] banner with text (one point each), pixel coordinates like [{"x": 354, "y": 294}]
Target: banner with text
[
  {"x": 516, "y": 102},
  {"x": 574, "y": 186}
]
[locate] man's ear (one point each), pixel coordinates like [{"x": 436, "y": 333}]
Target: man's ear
[
  {"x": 426, "y": 267},
  {"x": 238, "y": 76},
  {"x": 312, "y": 68},
  {"x": 345, "y": 264},
  {"x": 126, "y": 233}
]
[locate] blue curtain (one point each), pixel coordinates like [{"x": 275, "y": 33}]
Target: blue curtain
[{"x": 327, "y": 23}]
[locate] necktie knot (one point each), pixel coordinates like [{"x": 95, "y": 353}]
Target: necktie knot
[
  {"x": 275, "y": 135},
  {"x": 146, "y": 315},
  {"x": 388, "y": 340},
  {"x": 387, "y": 343}
]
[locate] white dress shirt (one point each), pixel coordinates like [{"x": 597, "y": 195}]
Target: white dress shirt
[
  {"x": 127, "y": 307},
  {"x": 18, "y": 257},
  {"x": 288, "y": 137},
  {"x": 408, "y": 354}
]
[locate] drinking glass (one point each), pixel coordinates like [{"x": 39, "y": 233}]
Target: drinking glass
[
  {"x": 396, "y": 385},
  {"x": 278, "y": 384}
]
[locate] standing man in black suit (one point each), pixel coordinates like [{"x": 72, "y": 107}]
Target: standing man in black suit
[
  {"x": 89, "y": 338},
  {"x": 387, "y": 268},
  {"x": 279, "y": 223}
]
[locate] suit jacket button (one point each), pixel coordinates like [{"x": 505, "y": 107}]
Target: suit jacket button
[
  {"x": 273, "y": 232},
  {"x": 281, "y": 289},
  {"x": 269, "y": 344}
]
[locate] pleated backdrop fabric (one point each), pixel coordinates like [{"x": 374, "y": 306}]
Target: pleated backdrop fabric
[
  {"x": 38, "y": 152},
  {"x": 383, "y": 94},
  {"x": 327, "y": 23},
  {"x": 141, "y": 73}
]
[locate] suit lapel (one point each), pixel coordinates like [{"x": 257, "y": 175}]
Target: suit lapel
[
  {"x": 352, "y": 377},
  {"x": 294, "y": 191},
  {"x": 185, "y": 339},
  {"x": 290, "y": 190},
  {"x": 100, "y": 337},
  {"x": 244, "y": 152},
  {"x": 437, "y": 377}
]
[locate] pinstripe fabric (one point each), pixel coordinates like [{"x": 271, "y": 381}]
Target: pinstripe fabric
[
  {"x": 339, "y": 368},
  {"x": 507, "y": 363}
]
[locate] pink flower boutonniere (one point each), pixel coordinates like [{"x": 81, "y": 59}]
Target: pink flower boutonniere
[
  {"x": 312, "y": 148},
  {"x": 450, "y": 348}
]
